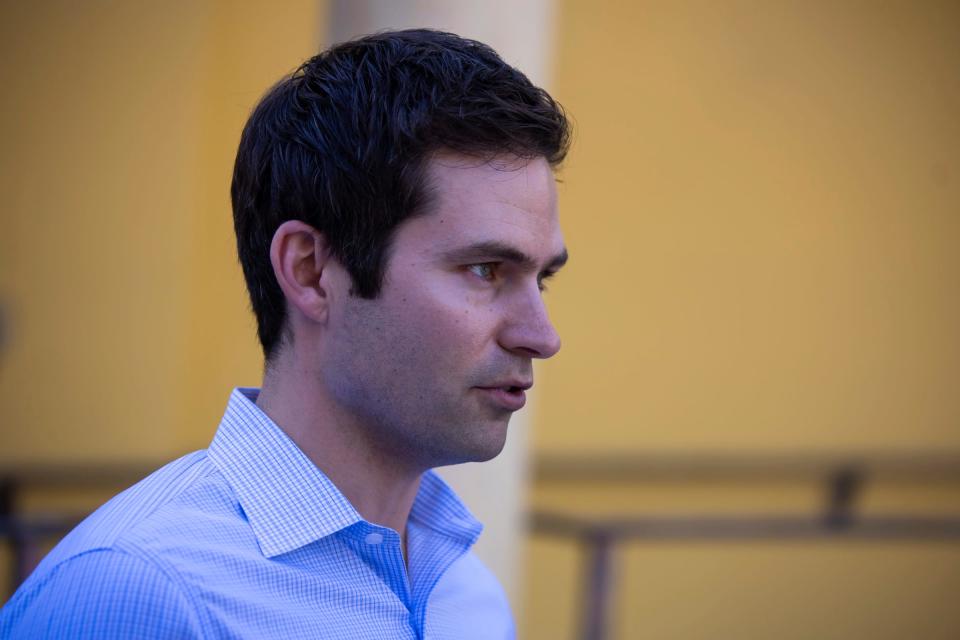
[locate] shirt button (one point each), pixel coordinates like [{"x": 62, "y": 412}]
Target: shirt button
[{"x": 373, "y": 538}]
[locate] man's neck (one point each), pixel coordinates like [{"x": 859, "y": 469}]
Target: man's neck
[{"x": 380, "y": 489}]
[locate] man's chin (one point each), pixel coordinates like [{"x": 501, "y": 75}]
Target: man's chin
[
  {"x": 489, "y": 454},
  {"x": 488, "y": 447}
]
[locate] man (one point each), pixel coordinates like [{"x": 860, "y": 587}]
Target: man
[{"x": 396, "y": 218}]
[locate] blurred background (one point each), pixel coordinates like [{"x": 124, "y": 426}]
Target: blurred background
[{"x": 753, "y": 428}]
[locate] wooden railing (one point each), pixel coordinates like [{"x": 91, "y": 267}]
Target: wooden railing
[{"x": 842, "y": 479}]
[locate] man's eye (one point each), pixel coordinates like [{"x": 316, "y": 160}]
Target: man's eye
[
  {"x": 542, "y": 280},
  {"x": 485, "y": 270}
]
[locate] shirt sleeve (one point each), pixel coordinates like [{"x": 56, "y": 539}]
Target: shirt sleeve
[{"x": 100, "y": 594}]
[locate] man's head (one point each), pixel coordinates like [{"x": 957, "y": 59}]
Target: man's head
[
  {"x": 344, "y": 143},
  {"x": 396, "y": 217}
]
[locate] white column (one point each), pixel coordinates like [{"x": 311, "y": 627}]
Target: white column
[{"x": 522, "y": 32}]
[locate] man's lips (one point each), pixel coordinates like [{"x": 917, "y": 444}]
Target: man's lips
[{"x": 509, "y": 395}]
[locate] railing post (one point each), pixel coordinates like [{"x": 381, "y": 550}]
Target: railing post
[
  {"x": 842, "y": 492},
  {"x": 598, "y": 585},
  {"x": 9, "y": 527}
]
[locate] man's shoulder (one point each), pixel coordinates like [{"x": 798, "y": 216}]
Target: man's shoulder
[
  {"x": 163, "y": 512},
  {"x": 124, "y": 557},
  {"x": 101, "y": 593}
]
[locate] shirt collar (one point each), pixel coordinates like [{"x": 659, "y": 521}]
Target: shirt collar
[
  {"x": 438, "y": 507},
  {"x": 289, "y": 502}
]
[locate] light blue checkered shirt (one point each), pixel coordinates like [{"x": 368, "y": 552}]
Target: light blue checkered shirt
[{"x": 248, "y": 539}]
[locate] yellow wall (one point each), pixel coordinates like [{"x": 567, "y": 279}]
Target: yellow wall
[
  {"x": 129, "y": 322},
  {"x": 761, "y": 207}
]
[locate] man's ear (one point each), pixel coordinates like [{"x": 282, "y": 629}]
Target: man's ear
[{"x": 299, "y": 254}]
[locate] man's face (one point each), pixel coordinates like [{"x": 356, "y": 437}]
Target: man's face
[{"x": 434, "y": 367}]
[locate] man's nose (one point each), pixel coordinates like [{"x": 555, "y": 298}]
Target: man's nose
[{"x": 528, "y": 330}]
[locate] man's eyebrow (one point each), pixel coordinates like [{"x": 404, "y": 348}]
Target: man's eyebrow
[{"x": 506, "y": 253}]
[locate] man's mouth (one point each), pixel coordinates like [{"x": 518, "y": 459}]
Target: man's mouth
[{"x": 510, "y": 396}]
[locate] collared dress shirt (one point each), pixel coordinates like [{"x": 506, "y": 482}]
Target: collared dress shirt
[{"x": 249, "y": 539}]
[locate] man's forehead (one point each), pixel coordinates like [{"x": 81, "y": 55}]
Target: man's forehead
[
  {"x": 478, "y": 233},
  {"x": 513, "y": 180}
]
